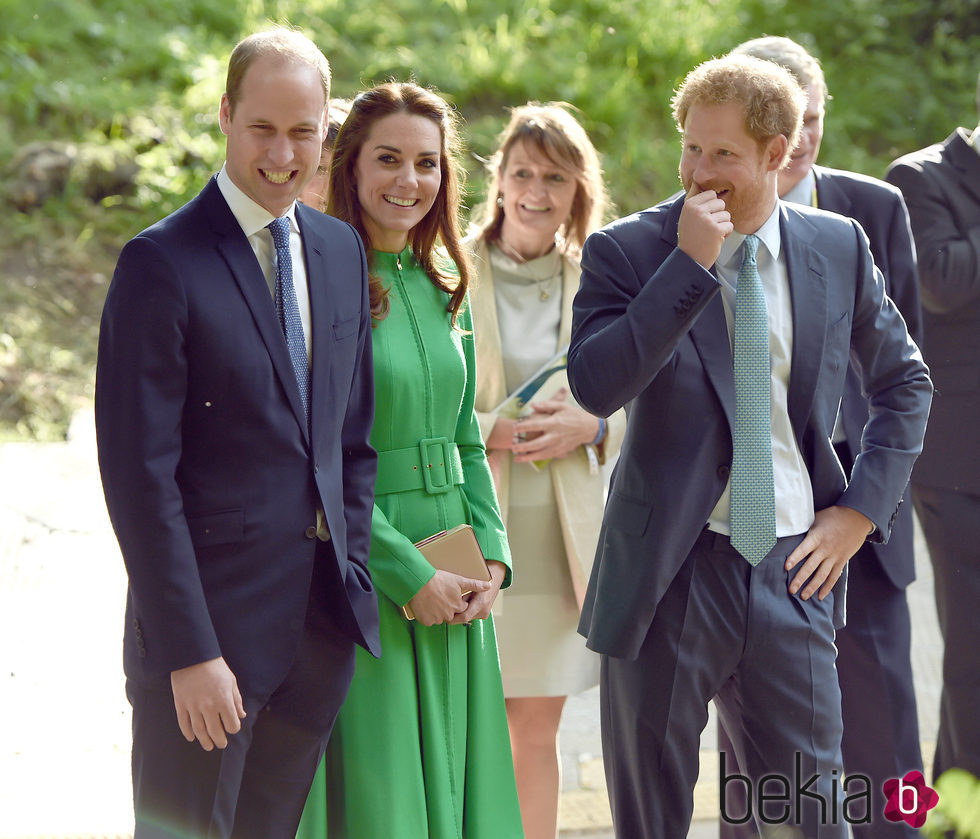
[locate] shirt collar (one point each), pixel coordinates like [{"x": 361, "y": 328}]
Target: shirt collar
[
  {"x": 250, "y": 216},
  {"x": 975, "y": 139},
  {"x": 768, "y": 235},
  {"x": 802, "y": 193}
]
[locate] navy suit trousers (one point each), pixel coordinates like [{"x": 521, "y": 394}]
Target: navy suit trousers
[{"x": 255, "y": 788}]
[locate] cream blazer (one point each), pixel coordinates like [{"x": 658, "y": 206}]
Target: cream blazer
[{"x": 580, "y": 496}]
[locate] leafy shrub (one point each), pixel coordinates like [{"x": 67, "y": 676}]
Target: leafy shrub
[{"x": 143, "y": 81}]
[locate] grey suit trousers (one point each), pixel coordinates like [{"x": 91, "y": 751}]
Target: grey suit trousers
[{"x": 728, "y": 631}]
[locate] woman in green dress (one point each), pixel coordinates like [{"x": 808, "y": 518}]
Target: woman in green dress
[{"x": 420, "y": 749}]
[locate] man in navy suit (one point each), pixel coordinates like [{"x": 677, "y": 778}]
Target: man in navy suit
[
  {"x": 238, "y": 479},
  {"x": 941, "y": 185},
  {"x": 679, "y": 613},
  {"x": 881, "y": 730}
]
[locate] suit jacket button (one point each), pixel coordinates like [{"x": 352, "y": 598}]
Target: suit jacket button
[
  {"x": 311, "y": 532},
  {"x": 723, "y": 471}
]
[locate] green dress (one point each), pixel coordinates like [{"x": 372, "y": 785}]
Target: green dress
[{"x": 420, "y": 749}]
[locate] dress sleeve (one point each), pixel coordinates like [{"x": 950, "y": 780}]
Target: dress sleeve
[
  {"x": 478, "y": 483},
  {"x": 397, "y": 568}
]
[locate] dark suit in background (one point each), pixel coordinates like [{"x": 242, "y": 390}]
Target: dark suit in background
[
  {"x": 941, "y": 185},
  {"x": 244, "y": 524},
  {"x": 881, "y": 731}
]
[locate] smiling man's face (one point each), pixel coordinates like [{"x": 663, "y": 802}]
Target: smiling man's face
[
  {"x": 719, "y": 154},
  {"x": 805, "y": 154},
  {"x": 275, "y": 131}
]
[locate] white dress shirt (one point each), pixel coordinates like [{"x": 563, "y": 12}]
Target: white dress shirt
[
  {"x": 253, "y": 220},
  {"x": 793, "y": 492}
]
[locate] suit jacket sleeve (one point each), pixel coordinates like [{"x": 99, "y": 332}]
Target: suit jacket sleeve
[
  {"x": 948, "y": 256},
  {"x": 901, "y": 276},
  {"x": 360, "y": 459},
  {"x": 629, "y": 319},
  {"x": 899, "y": 394},
  {"x": 140, "y": 393}
]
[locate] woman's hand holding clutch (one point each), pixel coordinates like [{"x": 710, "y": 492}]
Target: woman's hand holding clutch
[
  {"x": 441, "y": 599},
  {"x": 480, "y": 602}
]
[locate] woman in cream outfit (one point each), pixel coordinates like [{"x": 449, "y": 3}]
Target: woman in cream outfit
[{"x": 546, "y": 195}]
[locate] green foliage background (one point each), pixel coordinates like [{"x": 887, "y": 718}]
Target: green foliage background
[{"x": 141, "y": 81}]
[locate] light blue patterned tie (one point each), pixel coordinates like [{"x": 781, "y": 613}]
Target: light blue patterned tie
[
  {"x": 288, "y": 310},
  {"x": 753, "y": 503}
]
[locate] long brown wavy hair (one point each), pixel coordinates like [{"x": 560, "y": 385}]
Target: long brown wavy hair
[{"x": 441, "y": 224}]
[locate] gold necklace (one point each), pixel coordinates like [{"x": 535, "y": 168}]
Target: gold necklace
[
  {"x": 511, "y": 252},
  {"x": 543, "y": 284}
]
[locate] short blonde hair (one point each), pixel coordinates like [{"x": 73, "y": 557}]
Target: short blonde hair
[{"x": 772, "y": 100}]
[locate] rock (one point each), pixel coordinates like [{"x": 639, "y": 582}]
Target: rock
[
  {"x": 106, "y": 170},
  {"x": 38, "y": 172}
]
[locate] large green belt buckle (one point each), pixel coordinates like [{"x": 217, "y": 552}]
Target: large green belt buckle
[{"x": 436, "y": 464}]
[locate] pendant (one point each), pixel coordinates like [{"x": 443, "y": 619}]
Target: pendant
[{"x": 544, "y": 295}]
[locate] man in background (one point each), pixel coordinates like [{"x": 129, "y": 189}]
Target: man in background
[
  {"x": 234, "y": 401},
  {"x": 881, "y": 731},
  {"x": 941, "y": 185}
]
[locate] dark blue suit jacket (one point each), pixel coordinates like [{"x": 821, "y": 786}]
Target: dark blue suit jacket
[
  {"x": 649, "y": 332},
  {"x": 211, "y": 477},
  {"x": 878, "y": 207},
  {"x": 941, "y": 185}
]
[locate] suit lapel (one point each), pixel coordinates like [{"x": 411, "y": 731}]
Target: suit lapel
[
  {"x": 807, "y": 273},
  {"x": 318, "y": 278},
  {"x": 710, "y": 336},
  {"x": 238, "y": 254},
  {"x": 965, "y": 158},
  {"x": 709, "y": 333},
  {"x": 829, "y": 194}
]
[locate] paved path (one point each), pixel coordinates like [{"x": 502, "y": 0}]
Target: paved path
[{"x": 64, "y": 728}]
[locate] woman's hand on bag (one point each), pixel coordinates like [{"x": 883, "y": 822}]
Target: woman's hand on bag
[
  {"x": 557, "y": 427},
  {"x": 441, "y": 600},
  {"x": 480, "y": 602}
]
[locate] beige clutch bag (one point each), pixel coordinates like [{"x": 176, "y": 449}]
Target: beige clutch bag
[{"x": 454, "y": 550}]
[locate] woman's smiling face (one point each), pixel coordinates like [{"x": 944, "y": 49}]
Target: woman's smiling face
[
  {"x": 398, "y": 177},
  {"x": 538, "y": 195}
]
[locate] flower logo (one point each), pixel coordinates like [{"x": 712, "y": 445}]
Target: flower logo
[{"x": 909, "y": 799}]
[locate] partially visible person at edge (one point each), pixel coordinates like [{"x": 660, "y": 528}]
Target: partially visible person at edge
[
  {"x": 315, "y": 193},
  {"x": 233, "y": 402},
  {"x": 874, "y": 662},
  {"x": 941, "y": 185},
  {"x": 421, "y": 748},
  {"x": 721, "y": 567},
  {"x": 545, "y": 196}
]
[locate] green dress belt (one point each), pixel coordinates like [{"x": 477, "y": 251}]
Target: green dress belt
[{"x": 432, "y": 465}]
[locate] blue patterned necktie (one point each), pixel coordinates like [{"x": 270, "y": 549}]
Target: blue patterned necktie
[
  {"x": 753, "y": 503},
  {"x": 288, "y": 310}
]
